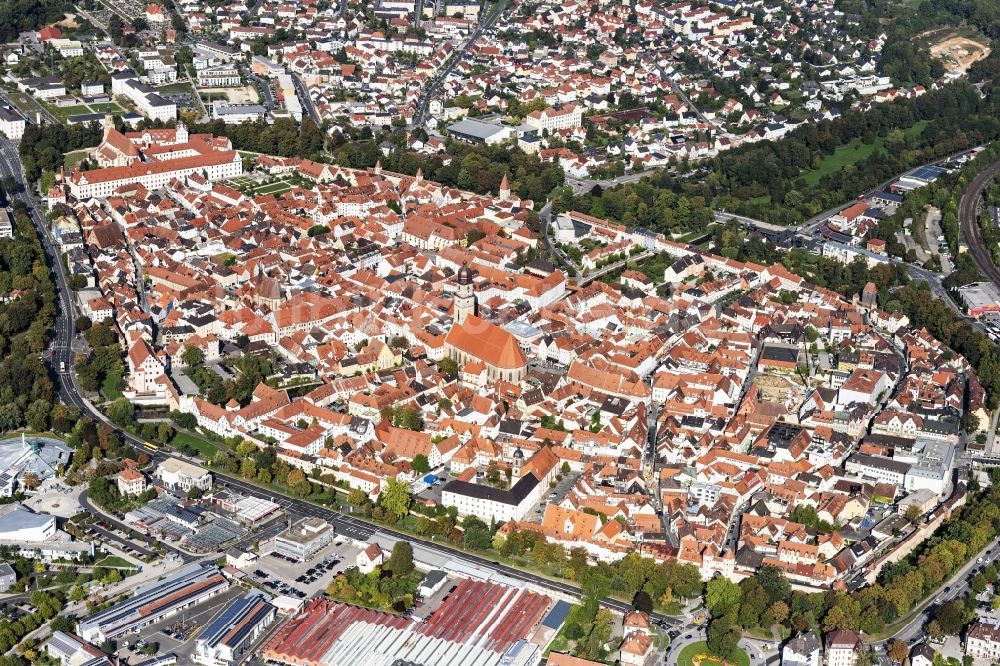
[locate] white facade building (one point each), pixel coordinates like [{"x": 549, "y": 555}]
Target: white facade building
[
  {"x": 11, "y": 124},
  {"x": 179, "y": 475},
  {"x": 473, "y": 499}
]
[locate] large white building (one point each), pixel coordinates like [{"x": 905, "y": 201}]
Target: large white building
[
  {"x": 803, "y": 650},
  {"x": 224, "y": 76},
  {"x": 68, "y": 48},
  {"x": 19, "y": 524},
  {"x": 35, "y": 535},
  {"x": 180, "y": 475},
  {"x": 983, "y": 641},
  {"x": 842, "y": 648},
  {"x": 144, "y": 96},
  {"x": 552, "y": 119},
  {"x": 237, "y": 114},
  {"x": 304, "y": 539},
  {"x": 474, "y": 499},
  {"x": 11, "y": 124},
  {"x": 101, "y": 183}
]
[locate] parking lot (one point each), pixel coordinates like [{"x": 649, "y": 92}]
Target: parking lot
[
  {"x": 556, "y": 494},
  {"x": 304, "y": 580}
]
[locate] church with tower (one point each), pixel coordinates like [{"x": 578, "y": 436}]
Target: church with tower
[{"x": 474, "y": 339}]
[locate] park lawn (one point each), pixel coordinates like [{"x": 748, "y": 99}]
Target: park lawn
[
  {"x": 853, "y": 153},
  {"x": 916, "y": 130},
  {"x": 115, "y": 561},
  {"x": 64, "y": 112},
  {"x": 107, "y": 107},
  {"x": 696, "y": 654},
  {"x": 205, "y": 448},
  {"x": 273, "y": 188},
  {"x": 70, "y": 160}
]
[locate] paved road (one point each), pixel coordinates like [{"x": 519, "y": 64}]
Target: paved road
[
  {"x": 954, "y": 588},
  {"x": 423, "y": 102},
  {"x": 968, "y": 218},
  {"x": 10, "y": 165},
  {"x": 264, "y": 86},
  {"x": 307, "y": 103}
]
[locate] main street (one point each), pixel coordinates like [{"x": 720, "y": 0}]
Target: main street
[
  {"x": 307, "y": 103},
  {"x": 438, "y": 79}
]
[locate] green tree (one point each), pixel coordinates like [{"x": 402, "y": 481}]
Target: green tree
[
  {"x": 395, "y": 497},
  {"x": 400, "y": 561},
  {"x": 722, "y": 595},
  {"x": 298, "y": 483},
  {"x": 121, "y": 411},
  {"x": 192, "y": 357},
  {"x": 448, "y": 366},
  {"x": 723, "y": 637},
  {"x": 420, "y": 464}
]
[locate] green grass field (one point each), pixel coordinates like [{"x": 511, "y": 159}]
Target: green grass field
[
  {"x": 70, "y": 160},
  {"x": 273, "y": 188},
  {"x": 115, "y": 561},
  {"x": 177, "y": 87},
  {"x": 853, "y": 153},
  {"x": 64, "y": 112},
  {"x": 106, "y": 107},
  {"x": 696, "y": 654},
  {"x": 204, "y": 447}
]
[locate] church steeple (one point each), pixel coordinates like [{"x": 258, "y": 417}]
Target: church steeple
[
  {"x": 465, "y": 300},
  {"x": 505, "y": 188}
]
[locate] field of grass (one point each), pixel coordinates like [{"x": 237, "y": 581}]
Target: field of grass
[
  {"x": 205, "y": 448},
  {"x": 853, "y": 153},
  {"x": 242, "y": 182},
  {"x": 696, "y": 654},
  {"x": 175, "y": 88},
  {"x": 273, "y": 188},
  {"x": 106, "y": 107},
  {"x": 64, "y": 112},
  {"x": 70, "y": 160},
  {"x": 115, "y": 561}
]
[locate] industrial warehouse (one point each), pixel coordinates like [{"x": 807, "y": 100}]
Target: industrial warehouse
[
  {"x": 151, "y": 603},
  {"x": 479, "y": 623},
  {"x": 229, "y": 637}
]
